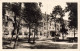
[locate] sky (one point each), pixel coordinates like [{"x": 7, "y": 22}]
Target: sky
[{"x": 48, "y": 7}]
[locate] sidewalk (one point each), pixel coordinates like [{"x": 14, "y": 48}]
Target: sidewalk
[{"x": 48, "y": 45}]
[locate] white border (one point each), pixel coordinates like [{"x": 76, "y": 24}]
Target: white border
[{"x": 39, "y": 1}]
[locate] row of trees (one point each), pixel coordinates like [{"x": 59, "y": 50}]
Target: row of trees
[
  {"x": 58, "y": 11},
  {"x": 73, "y": 15},
  {"x": 16, "y": 9},
  {"x": 31, "y": 13},
  {"x": 72, "y": 8}
]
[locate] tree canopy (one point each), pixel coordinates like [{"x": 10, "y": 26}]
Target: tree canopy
[
  {"x": 58, "y": 11},
  {"x": 72, "y": 7},
  {"x": 32, "y": 12}
]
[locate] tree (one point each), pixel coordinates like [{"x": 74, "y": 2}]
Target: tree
[
  {"x": 16, "y": 8},
  {"x": 72, "y": 7},
  {"x": 63, "y": 30},
  {"x": 6, "y": 7},
  {"x": 32, "y": 15},
  {"x": 58, "y": 11}
]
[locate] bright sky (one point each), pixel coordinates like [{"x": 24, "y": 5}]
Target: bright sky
[{"x": 48, "y": 7}]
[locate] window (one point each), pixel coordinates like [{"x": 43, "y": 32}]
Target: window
[
  {"x": 44, "y": 23},
  {"x": 49, "y": 27},
  {"x": 6, "y": 23},
  {"x": 44, "y": 27},
  {"x": 53, "y": 27},
  {"x": 50, "y": 24}
]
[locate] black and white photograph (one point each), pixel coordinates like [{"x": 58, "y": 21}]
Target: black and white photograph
[{"x": 39, "y": 25}]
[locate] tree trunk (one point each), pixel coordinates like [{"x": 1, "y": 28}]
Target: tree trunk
[
  {"x": 13, "y": 32},
  {"x": 29, "y": 34},
  {"x": 55, "y": 29},
  {"x": 16, "y": 39},
  {"x": 12, "y": 36},
  {"x": 63, "y": 36},
  {"x": 35, "y": 33},
  {"x": 17, "y": 26},
  {"x": 16, "y": 32},
  {"x": 74, "y": 32},
  {"x": 34, "y": 37},
  {"x": 47, "y": 27},
  {"x": 17, "y": 36}
]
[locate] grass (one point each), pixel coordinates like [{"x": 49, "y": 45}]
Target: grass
[{"x": 40, "y": 45}]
